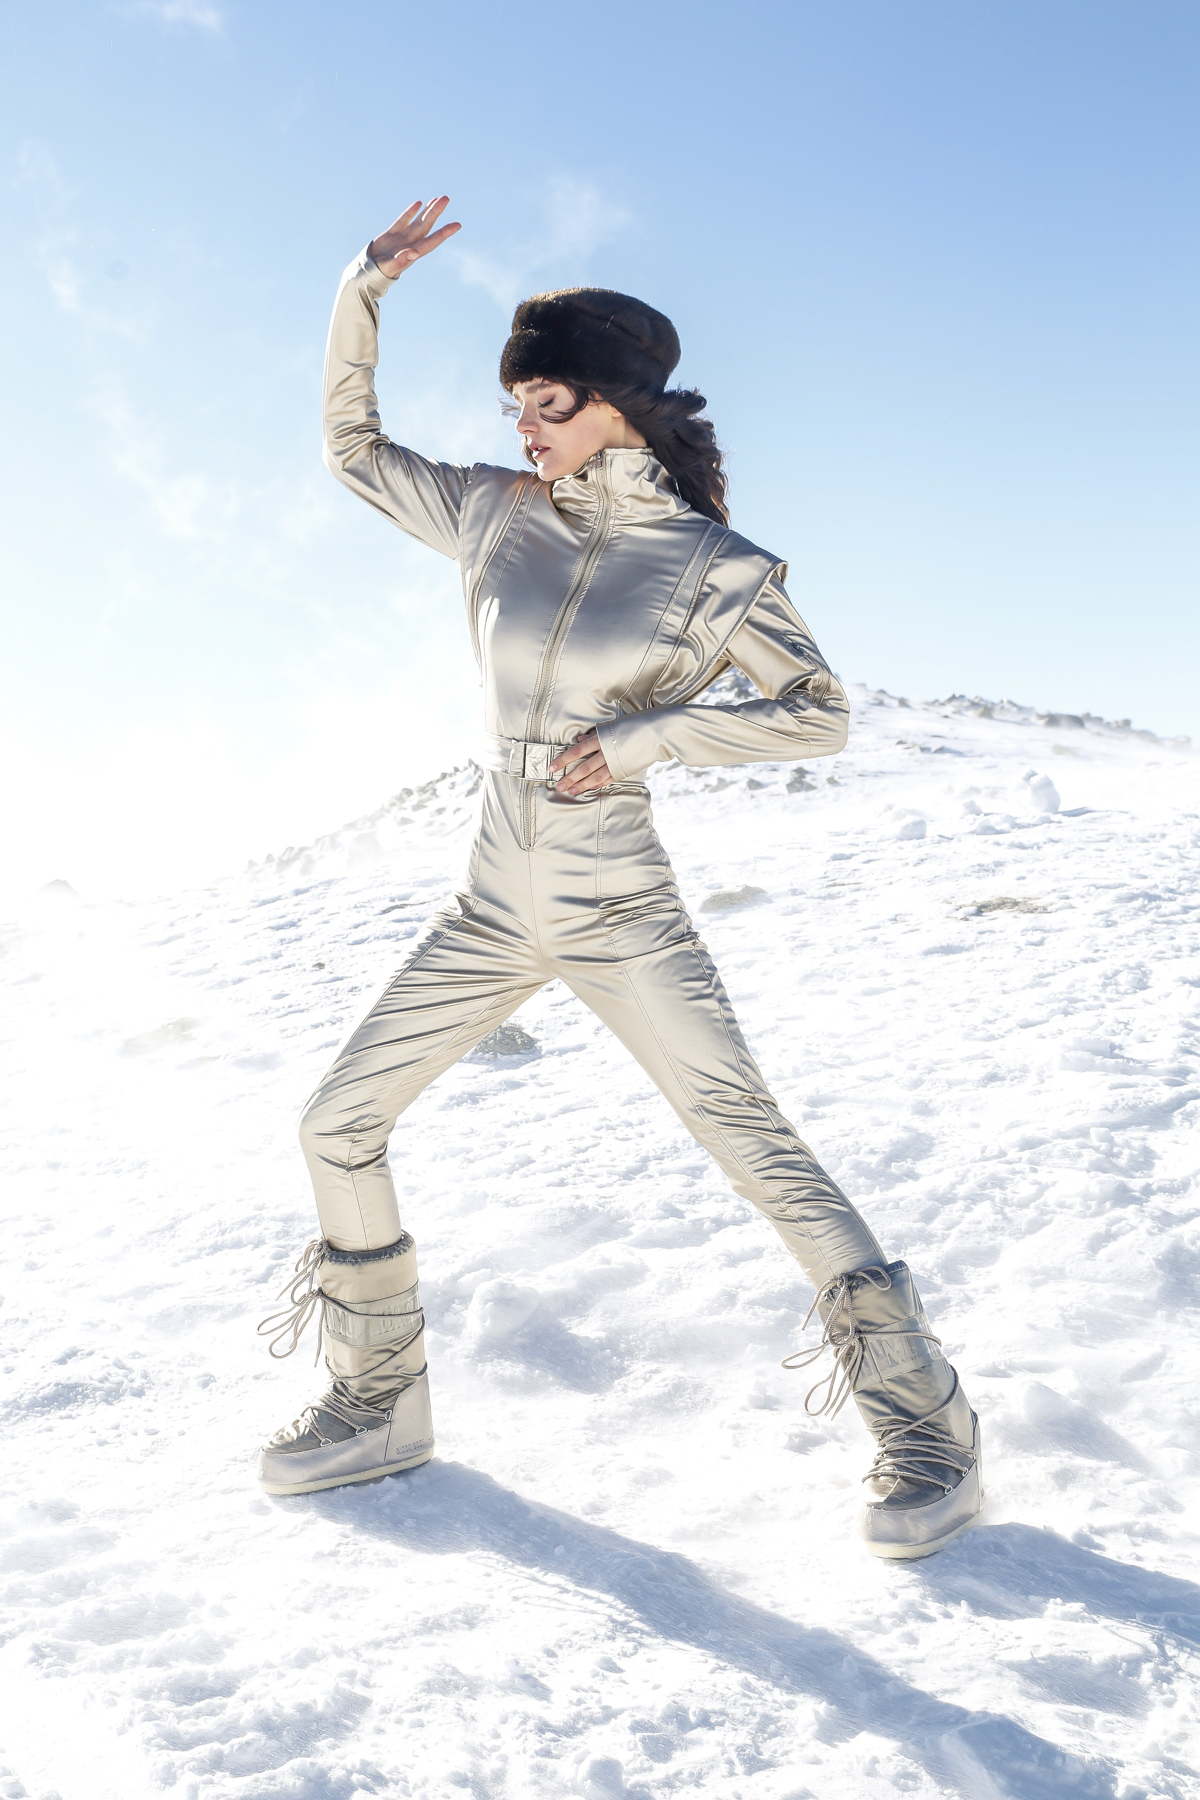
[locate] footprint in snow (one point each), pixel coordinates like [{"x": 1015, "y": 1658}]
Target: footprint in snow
[
  {"x": 1003, "y": 903},
  {"x": 166, "y": 1037},
  {"x": 724, "y": 898}
]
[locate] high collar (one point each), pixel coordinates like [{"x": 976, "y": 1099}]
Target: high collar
[{"x": 633, "y": 482}]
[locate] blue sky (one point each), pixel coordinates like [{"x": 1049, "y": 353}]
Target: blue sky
[{"x": 933, "y": 264}]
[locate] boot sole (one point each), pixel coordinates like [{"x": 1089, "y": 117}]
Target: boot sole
[
  {"x": 914, "y": 1552},
  {"x": 334, "y": 1481}
]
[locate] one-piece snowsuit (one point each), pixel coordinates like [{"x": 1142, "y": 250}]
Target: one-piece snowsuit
[{"x": 601, "y": 600}]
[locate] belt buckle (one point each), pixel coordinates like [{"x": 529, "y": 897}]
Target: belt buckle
[{"x": 537, "y": 762}]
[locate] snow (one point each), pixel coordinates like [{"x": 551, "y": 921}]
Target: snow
[{"x": 966, "y": 954}]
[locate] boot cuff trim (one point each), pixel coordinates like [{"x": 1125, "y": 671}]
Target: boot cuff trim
[{"x": 357, "y": 1259}]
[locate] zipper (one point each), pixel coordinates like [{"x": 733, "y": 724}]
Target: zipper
[{"x": 539, "y": 706}]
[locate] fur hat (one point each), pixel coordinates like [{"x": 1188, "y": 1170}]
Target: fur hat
[{"x": 591, "y": 336}]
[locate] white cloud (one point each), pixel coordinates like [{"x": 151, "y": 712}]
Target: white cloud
[
  {"x": 578, "y": 218},
  {"x": 188, "y": 505},
  {"x": 501, "y": 280},
  {"x": 63, "y": 277},
  {"x": 37, "y": 168},
  {"x": 56, "y": 249},
  {"x": 447, "y": 425}
]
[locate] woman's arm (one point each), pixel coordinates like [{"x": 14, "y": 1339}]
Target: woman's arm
[
  {"x": 420, "y": 496},
  {"x": 804, "y": 714}
]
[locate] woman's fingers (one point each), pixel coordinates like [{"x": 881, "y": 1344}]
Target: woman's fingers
[
  {"x": 398, "y": 230},
  {"x": 421, "y": 219},
  {"x": 583, "y": 767},
  {"x": 587, "y": 745},
  {"x": 406, "y": 218},
  {"x": 589, "y": 784},
  {"x": 432, "y": 213},
  {"x": 439, "y": 237},
  {"x": 412, "y": 235}
]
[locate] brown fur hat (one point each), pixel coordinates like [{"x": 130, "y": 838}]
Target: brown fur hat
[{"x": 591, "y": 336}]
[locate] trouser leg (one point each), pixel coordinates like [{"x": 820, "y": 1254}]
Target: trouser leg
[
  {"x": 668, "y": 1006},
  {"x": 463, "y": 981},
  {"x": 472, "y": 970}
]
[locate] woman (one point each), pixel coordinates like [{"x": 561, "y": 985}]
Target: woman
[{"x": 604, "y": 593}]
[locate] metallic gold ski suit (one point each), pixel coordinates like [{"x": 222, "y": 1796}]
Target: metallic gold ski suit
[{"x": 600, "y": 601}]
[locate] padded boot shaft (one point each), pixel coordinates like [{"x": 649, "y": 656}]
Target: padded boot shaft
[
  {"x": 374, "y": 1325},
  {"x": 926, "y": 1483},
  {"x": 368, "y": 1309},
  {"x": 892, "y": 1359}
]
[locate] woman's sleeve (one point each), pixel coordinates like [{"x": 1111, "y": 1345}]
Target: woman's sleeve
[
  {"x": 420, "y": 496},
  {"x": 804, "y": 713}
]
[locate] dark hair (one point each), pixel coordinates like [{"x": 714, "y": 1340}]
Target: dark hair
[
  {"x": 608, "y": 346},
  {"x": 672, "y": 423}
]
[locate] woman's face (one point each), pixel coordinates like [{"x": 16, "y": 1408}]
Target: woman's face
[{"x": 561, "y": 449}]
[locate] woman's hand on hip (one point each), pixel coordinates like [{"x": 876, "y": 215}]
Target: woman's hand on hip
[
  {"x": 397, "y": 248},
  {"x": 588, "y": 769}
]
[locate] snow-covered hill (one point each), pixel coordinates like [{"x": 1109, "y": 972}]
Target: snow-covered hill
[{"x": 966, "y": 954}]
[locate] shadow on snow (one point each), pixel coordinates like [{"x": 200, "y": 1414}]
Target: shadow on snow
[{"x": 1002, "y": 1571}]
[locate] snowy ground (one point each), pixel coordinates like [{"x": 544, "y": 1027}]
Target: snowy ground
[{"x": 630, "y": 1569}]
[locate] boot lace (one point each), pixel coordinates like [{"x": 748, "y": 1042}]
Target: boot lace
[
  {"x": 360, "y": 1415},
  {"x": 846, "y": 1338},
  {"x": 305, "y": 1298},
  {"x": 913, "y": 1450}
]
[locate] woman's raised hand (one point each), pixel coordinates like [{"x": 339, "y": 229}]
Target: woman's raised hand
[{"x": 398, "y": 248}]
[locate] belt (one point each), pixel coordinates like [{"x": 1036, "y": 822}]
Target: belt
[{"x": 522, "y": 760}]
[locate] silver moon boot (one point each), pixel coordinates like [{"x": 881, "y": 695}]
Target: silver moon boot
[
  {"x": 926, "y": 1483},
  {"x": 374, "y": 1419}
]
